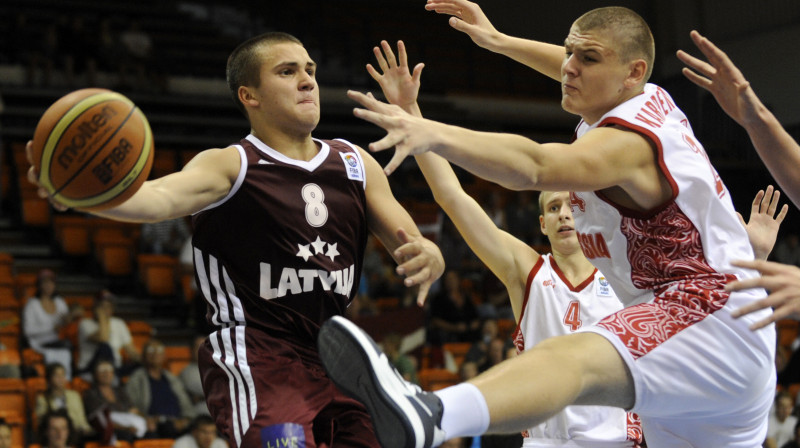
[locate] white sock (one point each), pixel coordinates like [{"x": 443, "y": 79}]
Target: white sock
[{"x": 465, "y": 411}]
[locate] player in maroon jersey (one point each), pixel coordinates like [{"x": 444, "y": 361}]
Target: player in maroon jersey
[{"x": 280, "y": 223}]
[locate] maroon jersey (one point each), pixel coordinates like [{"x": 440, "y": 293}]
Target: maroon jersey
[{"x": 282, "y": 252}]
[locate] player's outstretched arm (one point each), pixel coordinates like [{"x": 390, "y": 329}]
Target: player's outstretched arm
[
  {"x": 470, "y": 19},
  {"x": 779, "y": 151},
  {"x": 207, "y": 178},
  {"x": 762, "y": 228},
  {"x": 509, "y": 258}
]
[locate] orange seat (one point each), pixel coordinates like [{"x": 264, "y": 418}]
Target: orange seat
[
  {"x": 119, "y": 444},
  {"x": 10, "y": 356},
  {"x": 154, "y": 443},
  {"x": 6, "y": 266},
  {"x": 8, "y": 295},
  {"x": 33, "y": 387},
  {"x": 435, "y": 379},
  {"x": 72, "y": 234},
  {"x": 35, "y": 210},
  {"x": 178, "y": 353},
  {"x": 140, "y": 327},
  {"x": 158, "y": 273},
  {"x": 115, "y": 254},
  {"x": 12, "y": 397}
]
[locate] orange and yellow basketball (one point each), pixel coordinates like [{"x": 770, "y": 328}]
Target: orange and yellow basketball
[{"x": 93, "y": 149}]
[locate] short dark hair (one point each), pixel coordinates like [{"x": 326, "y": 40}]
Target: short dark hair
[
  {"x": 637, "y": 40},
  {"x": 244, "y": 63}
]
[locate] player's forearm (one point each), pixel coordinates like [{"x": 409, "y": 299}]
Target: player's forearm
[
  {"x": 506, "y": 159},
  {"x": 543, "y": 57},
  {"x": 778, "y": 150}
]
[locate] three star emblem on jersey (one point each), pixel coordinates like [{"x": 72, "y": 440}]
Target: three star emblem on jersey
[{"x": 319, "y": 248}]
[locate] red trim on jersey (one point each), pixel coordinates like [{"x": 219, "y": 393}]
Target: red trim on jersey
[
  {"x": 634, "y": 429},
  {"x": 517, "y": 337},
  {"x": 563, "y": 277}
]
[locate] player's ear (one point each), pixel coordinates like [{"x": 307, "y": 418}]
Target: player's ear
[
  {"x": 637, "y": 71},
  {"x": 541, "y": 225},
  {"x": 247, "y": 96}
]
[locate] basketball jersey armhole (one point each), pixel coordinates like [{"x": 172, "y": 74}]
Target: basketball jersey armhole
[
  {"x": 358, "y": 156},
  {"x": 236, "y": 185}
]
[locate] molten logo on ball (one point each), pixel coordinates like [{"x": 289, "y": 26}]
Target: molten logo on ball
[
  {"x": 93, "y": 148},
  {"x": 86, "y": 133}
]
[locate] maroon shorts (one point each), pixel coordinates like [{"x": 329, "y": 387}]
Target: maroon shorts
[{"x": 262, "y": 394}]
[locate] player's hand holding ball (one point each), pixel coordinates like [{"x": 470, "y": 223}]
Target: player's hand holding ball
[{"x": 92, "y": 150}]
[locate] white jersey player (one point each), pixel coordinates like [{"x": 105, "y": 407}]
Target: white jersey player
[{"x": 551, "y": 294}]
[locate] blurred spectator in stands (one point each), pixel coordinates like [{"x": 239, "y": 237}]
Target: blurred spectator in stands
[
  {"x": 479, "y": 351},
  {"x": 158, "y": 394},
  {"x": 780, "y": 428},
  {"x": 402, "y": 362},
  {"x": 190, "y": 377},
  {"x": 79, "y": 53},
  {"x": 106, "y": 403},
  {"x": 164, "y": 237},
  {"x": 42, "y": 319},
  {"x": 795, "y": 442},
  {"x": 454, "y": 317},
  {"x": 58, "y": 397},
  {"x": 202, "y": 435},
  {"x": 787, "y": 251},
  {"x": 495, "y": 355},
  {"x": 106, "y": 337},
  {"x": 5, "y": 434},
  {"x": 55, "y": 430},
  {"x": 135, "y": 57}
]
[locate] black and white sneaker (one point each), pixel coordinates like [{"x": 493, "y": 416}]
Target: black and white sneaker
[{"x": 402, "y": 414}]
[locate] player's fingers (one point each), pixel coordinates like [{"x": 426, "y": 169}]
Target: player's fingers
[
  {"x": 380, "y": 59},
  {"x": 703, "y": 67},
  {"x": 33, "y": 175},
  {"x": 417, "y": 75},
  {"x": 750, "y": 308},
  {"x": 389, "y": 54},
  {"x": 697, "y": 79},
  {"x": 29, "y": 151},
  {"x": 782, "y": 214},
  {"x": 739, "y": 285},
  {"x": 374, "y": 73},
  {"x": 422, "y": 295},
  {"x": 755, "y": 207},
  {"x": 395, "y": 162},
  {"x": 764, "y": 206},
  {"x": 402, "y": 55}
]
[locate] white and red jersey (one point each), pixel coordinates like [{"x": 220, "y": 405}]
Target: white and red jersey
[
  {"x": 553, "y": 307},
  {"x": 680, "y": 252}
]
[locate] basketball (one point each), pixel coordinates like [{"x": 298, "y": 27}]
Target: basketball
[{"x": 93, "y": 148}]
